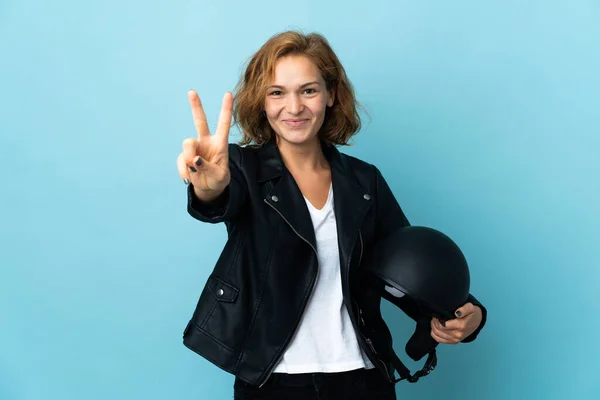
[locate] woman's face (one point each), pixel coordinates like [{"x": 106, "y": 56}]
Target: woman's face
[{"x": 296, "y": 100}]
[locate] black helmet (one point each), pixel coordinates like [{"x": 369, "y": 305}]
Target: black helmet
[{"x": 426, "y": 271}]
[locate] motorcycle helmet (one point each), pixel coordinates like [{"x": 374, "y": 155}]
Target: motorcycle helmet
[{"x": 426, "y": 271}]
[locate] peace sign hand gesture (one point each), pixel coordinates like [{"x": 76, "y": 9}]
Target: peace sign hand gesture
[{"x": 204, "y": 161}]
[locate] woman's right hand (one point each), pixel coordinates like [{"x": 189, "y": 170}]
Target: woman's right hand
[{"x": 204, "y": 161}]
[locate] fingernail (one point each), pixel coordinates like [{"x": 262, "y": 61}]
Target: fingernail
[
  {"x": 458, "y": 313},
  {"x": 199, "y": 162},
  {"x": 192, "y": 169},
  {"x": 186, "y": 181}
]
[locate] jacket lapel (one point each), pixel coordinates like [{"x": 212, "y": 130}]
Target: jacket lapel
[
  {"x": 285, "y": 196},
  {"x": 351, "y": 199},
  {"x": 351, "y": 202}
]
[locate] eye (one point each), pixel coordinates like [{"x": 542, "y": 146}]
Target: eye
[
  {"x": 310, "y": 91},
  {"x": 276, "y": 93}
]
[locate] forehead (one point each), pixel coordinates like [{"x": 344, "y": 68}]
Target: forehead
[{"x": 295, "y": 70}]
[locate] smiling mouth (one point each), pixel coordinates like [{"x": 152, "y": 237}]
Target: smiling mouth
[{"x": 295, "y": 122}]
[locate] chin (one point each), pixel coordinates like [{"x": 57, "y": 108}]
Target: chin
[{"x": 297, "y": 137}]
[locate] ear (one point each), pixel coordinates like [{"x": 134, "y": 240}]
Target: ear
[{"x": 331, "y": 98}]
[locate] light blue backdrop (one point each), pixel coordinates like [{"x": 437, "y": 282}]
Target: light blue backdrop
[{"x": 483, "y": 118}]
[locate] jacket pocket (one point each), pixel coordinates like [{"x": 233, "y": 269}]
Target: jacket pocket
[
  {"x": 224, "y": 321},
  {"x": 222, "y": 291}
]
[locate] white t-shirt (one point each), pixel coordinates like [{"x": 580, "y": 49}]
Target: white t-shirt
[{"x": 325, "y": 340}]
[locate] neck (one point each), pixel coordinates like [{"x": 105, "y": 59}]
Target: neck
[{"x": 304, "y": 157}]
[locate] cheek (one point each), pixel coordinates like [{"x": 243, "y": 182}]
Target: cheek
[
  {"x": 272, "y": 109},
  {"x": 269, "y": 112},
  {"x": 319, "y": 108}
]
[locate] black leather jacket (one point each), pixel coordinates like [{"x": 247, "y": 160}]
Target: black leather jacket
[{"x": 253, "y": 300}]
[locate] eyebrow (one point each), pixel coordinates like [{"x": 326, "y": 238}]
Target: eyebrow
[{"x": 281, "y": 87}]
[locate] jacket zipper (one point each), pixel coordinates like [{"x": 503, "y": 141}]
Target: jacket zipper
[
  {"x": 368, "y": 340},
  {"x": 361, "y": 249},
  {"x": 272, "y": 367}
]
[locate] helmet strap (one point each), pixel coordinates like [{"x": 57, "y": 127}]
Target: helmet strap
[{"x": 404, "y": 372}]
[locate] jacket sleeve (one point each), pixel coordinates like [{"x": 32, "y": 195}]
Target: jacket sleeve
[
  {"x": 390, "y": 217},
  {"x": 226, "y": 207},
  {"x": 473, "y": 335}
]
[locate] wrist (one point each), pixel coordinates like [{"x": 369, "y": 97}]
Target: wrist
[{"x": 207, "y": 196}]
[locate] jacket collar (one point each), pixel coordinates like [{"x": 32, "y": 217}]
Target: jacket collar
[{"x": 351, "y": 199}]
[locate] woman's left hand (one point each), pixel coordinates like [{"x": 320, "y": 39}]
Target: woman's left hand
[{"x": 468, "y": 318}]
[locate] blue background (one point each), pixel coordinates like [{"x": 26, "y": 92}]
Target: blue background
[{"x": 483, "y": 119}]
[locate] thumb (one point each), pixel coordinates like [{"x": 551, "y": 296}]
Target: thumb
[
  {"x": 461, "y": 312},
  {"x": 465, "y": 310}
]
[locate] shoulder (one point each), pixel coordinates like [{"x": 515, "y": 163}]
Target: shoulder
[
  {"x": 240, "y": 150},
  {"x": 363, "y": 169},
  {"x": 252, "y": 160},
  {"x": 238, "y": 154},
  {"x": 356, "y": 162},
  {"x": 367, "y": 174}
]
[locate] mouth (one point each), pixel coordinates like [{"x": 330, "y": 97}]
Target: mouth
[{"x": 295, "y": 122}]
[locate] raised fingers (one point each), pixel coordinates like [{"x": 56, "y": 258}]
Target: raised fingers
[
  {"x": 198, "y": 114},
  {"x": 225, "y": 116}
]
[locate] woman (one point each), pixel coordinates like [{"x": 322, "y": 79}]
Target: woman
[{"x": 286, "y": 308}]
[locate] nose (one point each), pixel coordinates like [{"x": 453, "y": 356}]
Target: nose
[{"x": 294, "y": 104}]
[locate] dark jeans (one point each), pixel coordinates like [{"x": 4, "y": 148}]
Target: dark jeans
[{"x": 360, "y": 384}]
